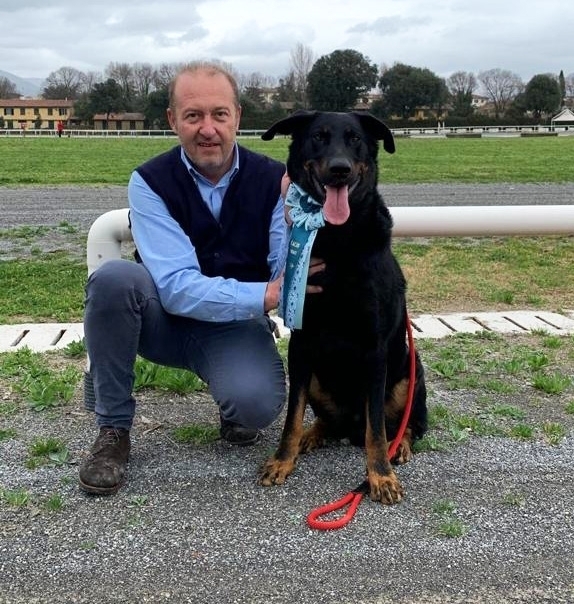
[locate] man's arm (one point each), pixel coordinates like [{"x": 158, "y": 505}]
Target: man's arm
[{"x": 172, "y": 262}]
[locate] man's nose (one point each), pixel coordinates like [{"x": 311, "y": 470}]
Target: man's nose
[{"x": 207, "y": 127}]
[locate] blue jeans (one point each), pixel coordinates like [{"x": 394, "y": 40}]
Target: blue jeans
[{"x": 124, "y": 317}]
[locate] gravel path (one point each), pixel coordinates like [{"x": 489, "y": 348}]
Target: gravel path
[
  {"x": 80, "y": 206},
  {"x": 191, "y": 525}
]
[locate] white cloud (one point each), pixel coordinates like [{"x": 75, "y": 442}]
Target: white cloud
[{"x": 525, "y": 37}]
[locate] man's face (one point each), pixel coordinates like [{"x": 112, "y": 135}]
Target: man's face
[{"x": 205, "y": 117}]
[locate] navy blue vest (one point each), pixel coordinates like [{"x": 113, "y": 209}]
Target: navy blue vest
[{"x": 238, "y": 246}]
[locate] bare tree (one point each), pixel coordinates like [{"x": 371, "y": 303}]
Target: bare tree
[
  {"x": 123, "y": 74},
  {"x": 302, "y": 60},
  {"x": 462, "y": 82},
  {"x": 143, "y": 76},
  {"x": 461, "y": 86},
  {"x": 164, "y": 74},
  {"x": 89, "y": 79},
  {"x": 255, "y": 80},
  {"x": 64, "y": 83},
  {"x": 501, "y": 87},
  {"x": 8, "y": 89}
]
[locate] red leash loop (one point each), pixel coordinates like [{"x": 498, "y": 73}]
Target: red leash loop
[{"x": 353, "y": 498}]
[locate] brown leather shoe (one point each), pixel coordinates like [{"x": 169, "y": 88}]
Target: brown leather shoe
[
  {"x": 103, "y": 471},
  {"x": 235, "y": 434}
]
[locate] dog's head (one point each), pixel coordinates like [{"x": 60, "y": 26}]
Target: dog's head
[{"x": 333, "y": 156}]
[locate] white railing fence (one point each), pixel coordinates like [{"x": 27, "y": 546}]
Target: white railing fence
[
  {"x": 439, "y": 130},
  {"x": 111, "y": 230}
]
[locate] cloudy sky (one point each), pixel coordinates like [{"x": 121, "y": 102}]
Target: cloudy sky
[{"x": 524, "y": 36}]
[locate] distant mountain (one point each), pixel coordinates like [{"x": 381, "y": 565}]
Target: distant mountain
[{"x": 26, "y": 87}]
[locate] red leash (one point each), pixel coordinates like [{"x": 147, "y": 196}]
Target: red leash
[{"x": 353, "y": 498}]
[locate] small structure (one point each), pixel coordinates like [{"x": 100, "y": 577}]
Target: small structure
[
  {"x": 119, "y": 121},
  {"x": 564, "y": 118}
]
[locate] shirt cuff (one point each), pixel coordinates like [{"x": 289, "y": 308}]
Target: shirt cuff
[{"x": 250, "y": 300}]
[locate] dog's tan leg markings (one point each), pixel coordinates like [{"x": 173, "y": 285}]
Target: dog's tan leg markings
[
  {"x": 383, "y": 482},
  {"x": 404, "y": 452},
  {"x": 394, "y": 408},
  {"x": 314, "y": 437},
  {"x": 396, "y": 402},
  {"x": 276, "y": 469}
]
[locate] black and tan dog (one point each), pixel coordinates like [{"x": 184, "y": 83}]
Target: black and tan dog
[{"x": 350, "y": 359}]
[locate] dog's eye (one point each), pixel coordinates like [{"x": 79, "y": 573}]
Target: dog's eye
[
  {"x": 354, "y": 138},
  {"x": 320, "y": 136}
]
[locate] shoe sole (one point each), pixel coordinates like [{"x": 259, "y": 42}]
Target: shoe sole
[
  {"x": 93, "y": 490},
  {"x": 242, "y": 443}
]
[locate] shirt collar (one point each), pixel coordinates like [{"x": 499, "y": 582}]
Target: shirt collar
[{"x": 224, "y": 180}]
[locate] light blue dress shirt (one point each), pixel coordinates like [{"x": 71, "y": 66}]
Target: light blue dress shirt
[{"x": 172, "y": 261}]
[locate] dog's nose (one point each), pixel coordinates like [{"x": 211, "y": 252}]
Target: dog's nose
[{"x": 340, "y": 167}]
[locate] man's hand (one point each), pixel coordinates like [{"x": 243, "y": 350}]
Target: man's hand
[
  {"x": 316, "y": 266},
  {"x": 272, "y": 291},
  {"x": 285, "y": 182}
]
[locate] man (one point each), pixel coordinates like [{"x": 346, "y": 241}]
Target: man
[{"x": 207, "y": 220}]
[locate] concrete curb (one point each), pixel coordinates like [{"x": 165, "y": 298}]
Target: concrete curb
[{"x": 41, "y": 337}]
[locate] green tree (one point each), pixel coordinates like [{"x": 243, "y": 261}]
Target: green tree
[
  {"x": 123, "y": 75},
  {"x": 542, "y": 95},
  {"x": 155, "y": 110},
  {"x": 106, "y": 98},
  {"x": 83, "y": 110},
  {"x": 253, "y": 94},
  {"x": 336, "y": 81},
  {"x": 287, "y": 90},
  {"x": 406, "y": 88}
]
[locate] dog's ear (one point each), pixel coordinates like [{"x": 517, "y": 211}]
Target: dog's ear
[
  {"x": 297, "y": 120},
  {"x": 377, "y": 129}
]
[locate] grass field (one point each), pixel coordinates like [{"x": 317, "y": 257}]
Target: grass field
[
  {"x": 93, "y": 161},
  {"x": 457, "y": 274}
]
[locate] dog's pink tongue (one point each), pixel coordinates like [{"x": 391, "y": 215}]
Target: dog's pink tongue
[{"x": 336, "y": 208}]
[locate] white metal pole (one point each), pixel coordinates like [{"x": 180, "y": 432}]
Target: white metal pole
[
  {"x": 452, "y": 221},
  {"x": 106, "y": 236},
  {"x": 111, "y": 229}
]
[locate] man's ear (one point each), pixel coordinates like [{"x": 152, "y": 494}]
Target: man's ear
[
  {"x": 171, "y": 119},
  {"x": 238, "y": 120}
]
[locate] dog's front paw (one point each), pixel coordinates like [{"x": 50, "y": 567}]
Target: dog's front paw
[
  {"x": 275, "y": 471},
  {"x": 386, "y": 489}
]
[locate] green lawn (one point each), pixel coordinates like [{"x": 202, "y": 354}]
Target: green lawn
[
  {"x": 443, "y": 274},
  {"x": 94, "y": 161}
]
